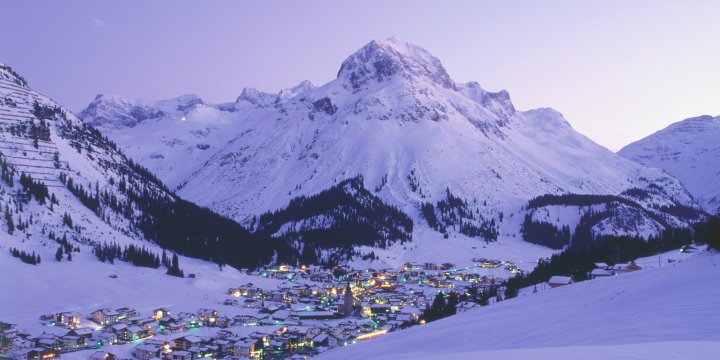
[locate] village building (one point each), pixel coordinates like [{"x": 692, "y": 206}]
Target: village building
[{"x": 557, "y": 281}]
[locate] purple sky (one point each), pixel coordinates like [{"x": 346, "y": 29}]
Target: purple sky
[{"x": 618, "y": 70}]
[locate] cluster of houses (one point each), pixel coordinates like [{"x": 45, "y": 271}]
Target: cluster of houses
[
  {"x": 600, "y": 270},
  {"x": 309, "y": 311}
]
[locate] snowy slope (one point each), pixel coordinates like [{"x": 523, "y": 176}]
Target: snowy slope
[
  {"x": 64, "y": 184},
  {"x": 61, "y": 151},
  {"x": 690, "y": 151},
  {"x": 656, "y": 313},
  {"x": 394, "y": 116}
]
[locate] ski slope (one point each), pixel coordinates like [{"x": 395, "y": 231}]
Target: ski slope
[{"x": 666, "y": 312}]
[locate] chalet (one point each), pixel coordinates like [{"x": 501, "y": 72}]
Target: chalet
[
  {"x": 174, "y": 327},
  {"x": 147, "y": 352},
  {"x": 557, "y": 281},
  {"x": 222, "y": 321},
  {"x": 125, "y": 313},
  {"x": 596, "y": 273},
  {"x": 223, "y": 347},
  {"x": 602, "y": 265},
  {"x": 380, "y": 308},
  {"x": 69, "y": 319},
  {"x": 105, "y": 316},
  {"x": 52, "y": 343},
  {"x": 246, "y": 320},
  {"x": 345, "y": 339},
  {"x": 135, "y": 333},
  {"x": 251, "y": 303},
  {"x": 71, "y": 342},
  {"x": 84, "y": 333},
  {"x": 325, "y": 339},
  {"x": 280, "y": 315},
  {"x": 278, "y": 296},
  {"x": 181, "y": 355},
  {"x": 120, "y": 330},
  {"x": 626, "y": 268},
  {"x": 447, "y": 266},
  {"x": 312, "y": 315},
  {"x": 36, "y": 354},
  {"x": 160, "y": 313},
  {"x": 321, "y": 277},
  {"x": 7, "y": 330},
  {"x": 103, "y": 355},
  {"x": 244, "y": 348},
  {"x": 105, "y": 338},
  {"x": 231, "y": 302},
  {"x": 207, "y": 316},
  {"x": 186, "y": 342}
]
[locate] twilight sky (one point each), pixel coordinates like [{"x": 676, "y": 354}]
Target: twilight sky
[{"x": 617, "y": 70}]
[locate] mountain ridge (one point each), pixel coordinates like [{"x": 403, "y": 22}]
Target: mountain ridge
[
  {"x": 391, "y": 117},
  {"x": 688, "y": 150}
]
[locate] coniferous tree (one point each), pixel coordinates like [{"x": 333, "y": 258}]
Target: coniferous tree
[
  {"x": 9, "y": 220},
  {"x": 451, "y": 306},
  {"x": 59, "y": 254}
]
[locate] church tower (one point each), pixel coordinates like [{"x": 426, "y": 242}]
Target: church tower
[{"x": 348, "y": 305}]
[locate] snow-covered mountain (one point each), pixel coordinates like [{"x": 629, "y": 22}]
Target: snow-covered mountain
[
  {"x": 63, "y": 185},
  {"x": 690, "y": 151},
  {"x": 454, "y": 157}
]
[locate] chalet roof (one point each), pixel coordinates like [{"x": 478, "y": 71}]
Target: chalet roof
[
  {"x": 135, "y": 329},
  {"x": 147, "y": 348},
  {"x": 320, "y": 338},
  {"x": 244, "y": 343},
  {"x": 100, "y": 355},
  {"x": 191, "y": 339},
  {"x": 600, "y": 272},
  {"x": 560, "y": 280},
  {"x": 108, "y": 312},
  {"x": 314, "y": 314}
]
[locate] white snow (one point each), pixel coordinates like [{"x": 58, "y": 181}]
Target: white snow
[
  {"x": 690, "y": 151},
  {"x": 404, "y": 119},
  {"x": 668, "y": 312}
]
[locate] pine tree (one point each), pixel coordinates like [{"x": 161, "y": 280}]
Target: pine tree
[
  {"x": 69, "y": 256},
  {"x": 174, "y": 269},
  {"x": 713, "y": 240},
  {"x": 59, "y": 253},
  {"x": 451, "y": 306},
  {"x": 9, "y": 220}
]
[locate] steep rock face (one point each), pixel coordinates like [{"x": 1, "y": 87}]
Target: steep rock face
[
  {"x": 380, "y": 61},
  {"x": 394, "y": 117},
  {"x": 117, "y": 112},
  {"x": 689, "y": 150}
]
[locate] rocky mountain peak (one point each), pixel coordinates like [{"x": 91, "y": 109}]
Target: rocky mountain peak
[{"x": 382, "y": 60}]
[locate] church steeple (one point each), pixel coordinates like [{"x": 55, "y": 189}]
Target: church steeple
[{"x": 348, "y": 304}]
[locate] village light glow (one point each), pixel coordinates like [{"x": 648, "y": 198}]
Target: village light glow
[{"x": 371, "y": 335}]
